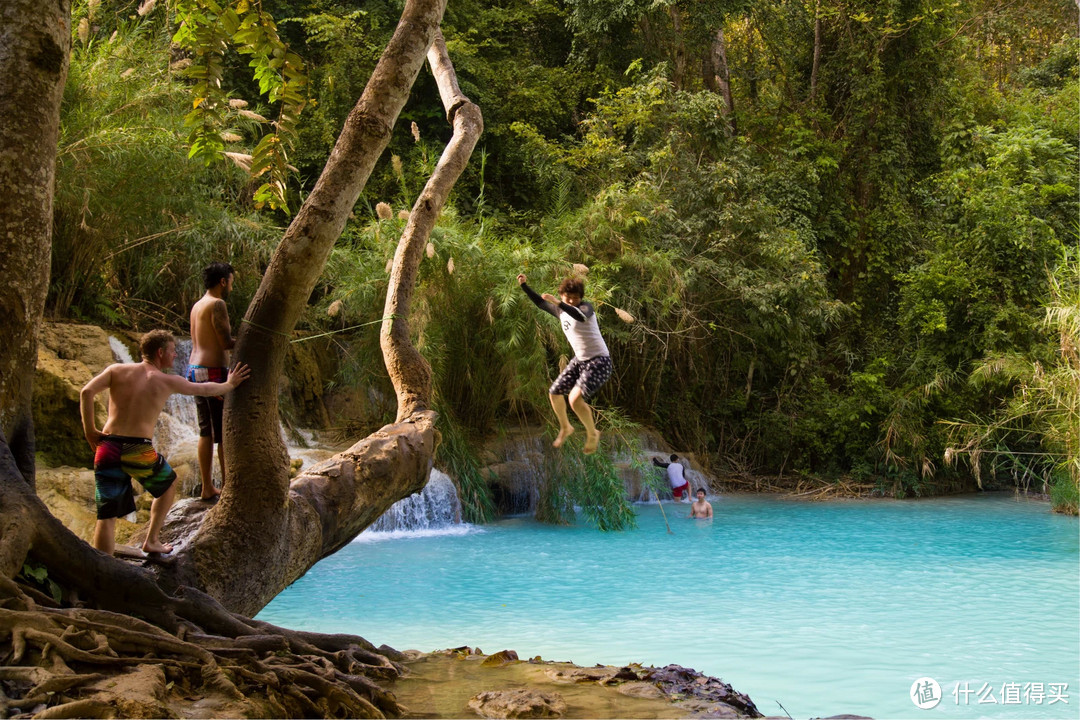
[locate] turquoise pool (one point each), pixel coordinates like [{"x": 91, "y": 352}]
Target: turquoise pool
[{"x": 826, "y": 608}]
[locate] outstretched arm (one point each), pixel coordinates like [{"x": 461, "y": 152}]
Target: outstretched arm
[
  {"x": 657, "y": 463},
  {"x": 209, "y": 389},
  {"x": 86, "y": 404},
  {"x": 539, "y": 301}
]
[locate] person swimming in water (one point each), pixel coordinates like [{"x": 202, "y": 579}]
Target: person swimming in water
[
  {"x": 702, "y": 508},
  {"x": 591, "y": 366}
]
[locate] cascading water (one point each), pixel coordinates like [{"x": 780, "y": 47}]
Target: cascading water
[{"x": 435, "y": 510}]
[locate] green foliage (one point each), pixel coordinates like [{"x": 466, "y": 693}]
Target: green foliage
[
  {"x": 135, "y": 220},
  {"x": 208, "y": 29},
  {"x": 588, "y": 482},
  {"x": 1035, "y": 433},
  {"x": 456, "y": 454},
  {"x": 37, "y": 575},
  {"x": 811, "y": 294}
]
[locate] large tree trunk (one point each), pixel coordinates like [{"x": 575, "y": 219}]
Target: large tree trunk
[
  {"x": 722, "y": 77},
  {"x": 242, "y": 555},
  {"x": 678, "y": 48},
  {"x": 35, "y": 41},
  {"x": 266, "y": 532}
]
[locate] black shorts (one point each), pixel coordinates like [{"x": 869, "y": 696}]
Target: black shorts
[
  {"x": 210, "y": 409},
  {"x": 588, "y": 375}
]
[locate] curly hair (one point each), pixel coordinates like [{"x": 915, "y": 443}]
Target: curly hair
[{"x": 153, "y": 341}]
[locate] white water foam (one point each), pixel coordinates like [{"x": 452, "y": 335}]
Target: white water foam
[
  {"x": 372, "y": 536},
  {"x": 435, "y": 510}
]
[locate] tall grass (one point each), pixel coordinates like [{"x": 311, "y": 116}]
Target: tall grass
[
  {"x": 1035, "y": 437},
  {"x": 136, "y": 220}
]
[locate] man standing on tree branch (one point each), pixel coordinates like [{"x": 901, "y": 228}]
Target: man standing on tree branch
[
  {"x": 211, "y": 340},
  {"x": 124, "y": 449}
]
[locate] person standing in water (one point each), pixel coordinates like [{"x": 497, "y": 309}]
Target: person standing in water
[
  {"x": 124, "y": 449},
  {"x": 211, "y": 340},
  {"x": 591, "y": 366},
  {"x": 702, "y": 508},
  {"x": 679, "y": 486}
]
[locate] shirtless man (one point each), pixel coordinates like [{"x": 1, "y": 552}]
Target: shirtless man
[
  {"x": 211, "y": 339},
  {"x": 123, "y": 448},
  {"x": 701, "y": 508},
  {"x": 591, "y": 366}
]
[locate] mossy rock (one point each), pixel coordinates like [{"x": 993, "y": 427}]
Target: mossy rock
[{"x": 68, "y": 357}]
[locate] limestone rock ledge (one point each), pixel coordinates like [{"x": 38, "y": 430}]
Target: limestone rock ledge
[{"x": 463, "y": 682}]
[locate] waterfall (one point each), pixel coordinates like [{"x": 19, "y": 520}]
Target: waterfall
[
  {"x": 435, "y": 510},
  {"x": 119, "y": 350}
]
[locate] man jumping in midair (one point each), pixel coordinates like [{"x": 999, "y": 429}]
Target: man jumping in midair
[{"x": 591, "y": 366}]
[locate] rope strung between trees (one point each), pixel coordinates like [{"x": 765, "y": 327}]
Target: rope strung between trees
[{"x": 313, "y": 337}]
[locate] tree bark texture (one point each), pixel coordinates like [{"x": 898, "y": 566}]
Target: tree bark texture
[
  {"x": 678, "y": 75},
  {"x": 722, "y": 76},
  {"x": 248, "y": 535},
  {"x": 409, "y": 371},
  {"x": 35, "y": 42}
]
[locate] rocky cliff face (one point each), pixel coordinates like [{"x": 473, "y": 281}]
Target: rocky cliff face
[{"x": 68, "y": 356}]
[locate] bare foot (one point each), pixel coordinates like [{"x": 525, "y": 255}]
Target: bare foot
[
  {"x": 591, "y": 443},
  {"x": 563, "y": 434},
  {"x": 211, "y": 497},
  {"x": 163, "y": 548}
]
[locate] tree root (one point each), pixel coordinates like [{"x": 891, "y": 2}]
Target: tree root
[{"x": 83, "y": 662}]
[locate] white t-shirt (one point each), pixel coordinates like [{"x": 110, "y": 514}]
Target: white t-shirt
[
  {"x": 585, "y": 336},
  {"x": 675, "y": 475}
]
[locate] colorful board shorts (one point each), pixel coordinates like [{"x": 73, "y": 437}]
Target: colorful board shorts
[
  {"x": 588, "y": 375},
  {"x": 119, "y": 459},
  {"x": 678, "y": 492},
  {"x": 210, "y": 409}
]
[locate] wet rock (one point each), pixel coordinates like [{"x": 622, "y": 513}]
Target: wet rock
[
  {"x": 675, "y": 679},
  {"x": 501, "y": 658},
  {"x": 518, "y": 704}
]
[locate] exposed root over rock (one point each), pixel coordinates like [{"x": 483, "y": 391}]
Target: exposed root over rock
[{"x": 86, "y": 663}]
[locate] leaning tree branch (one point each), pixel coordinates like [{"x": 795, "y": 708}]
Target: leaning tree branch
[{"x": 408, "y": 369}]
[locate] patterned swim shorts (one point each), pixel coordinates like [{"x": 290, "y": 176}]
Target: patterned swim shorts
[
  {"x": 588, "y": 375},
  {"x": 119, "y": 459}
]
